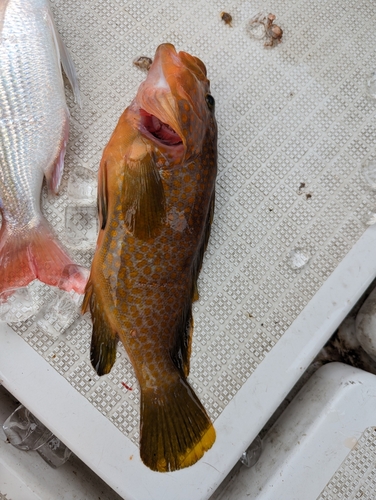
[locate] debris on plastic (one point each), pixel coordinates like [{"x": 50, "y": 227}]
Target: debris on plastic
[
  {"x": 302, "y": 189},
  {"x": 250, "y": 457},
  {"x": 298, "y": 258},
  {"x": 143, "y": 62},
  {"x": 17, "y": 306},
  {"x": 226, "y": 18},
  {"x": 371, "y": 85},
  {"x": 262, "y": 26},
  {"x": 256, "y": 26},
  {"x": 126, "y": 386},
  {"x": 368, "y": 170}
]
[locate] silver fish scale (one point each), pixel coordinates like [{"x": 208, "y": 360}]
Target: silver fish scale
[{"x": 33, "y": 111}]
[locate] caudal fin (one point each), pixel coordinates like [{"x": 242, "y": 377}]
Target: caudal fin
[
  {"x": 34, "y": 253},
  {"x": 175, "y": 428}
]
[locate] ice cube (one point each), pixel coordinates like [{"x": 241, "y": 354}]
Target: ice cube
[
  {"x": 82, "y": 185},
  {"x": 17, "y": 306},
  {"x": 59, "y": 313},
  {"x": 81, "y": 223}
]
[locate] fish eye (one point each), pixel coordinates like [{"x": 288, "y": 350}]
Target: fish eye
[{"x": 210, "y": 101}]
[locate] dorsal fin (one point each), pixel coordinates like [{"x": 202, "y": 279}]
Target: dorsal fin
[
  {"x": 181, "y": 351},
  {"x": 200, "y": 254},
  {"x": 144, "y": 198}
]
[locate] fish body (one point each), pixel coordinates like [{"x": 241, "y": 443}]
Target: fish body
[
  {"x": 156, "y": 202},
  {"x": 34, "y": 124}
]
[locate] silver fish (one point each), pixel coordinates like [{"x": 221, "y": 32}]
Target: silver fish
[{"x": 34, "y": 124}]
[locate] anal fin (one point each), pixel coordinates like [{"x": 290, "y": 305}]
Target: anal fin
[
  {"x": 54, "y": 172},
  {"x": 181, "y": 351}
]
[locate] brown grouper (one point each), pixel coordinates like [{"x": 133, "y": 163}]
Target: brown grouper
[{"x": 156, "y": 203}]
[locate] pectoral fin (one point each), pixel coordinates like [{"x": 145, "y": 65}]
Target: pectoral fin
[
  {"x": 144, "y": 198},
  {"x": 64, "y": 57}
]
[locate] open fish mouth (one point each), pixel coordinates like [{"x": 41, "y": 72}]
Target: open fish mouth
[{"x": 163, "y": 132}]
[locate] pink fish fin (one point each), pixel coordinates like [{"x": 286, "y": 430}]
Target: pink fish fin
[
  {"x": 175, "y": 428},
  {"x": 35, "y": 254},
  {"x": 54, "y": 172},
  {"x": 143, "y": 198},
  {"x": 63, "y": 57},
  {"x": 17, "y": 269},
  {"x": 197, "y": 263},
  {"x": 104, "y": 338}
]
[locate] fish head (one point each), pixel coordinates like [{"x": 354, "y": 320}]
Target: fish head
[{"x": 176, "y": 109}]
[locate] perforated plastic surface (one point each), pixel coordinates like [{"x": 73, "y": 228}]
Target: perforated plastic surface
[
  {"x": 356, "y": 478},
  {"x": 295, "y": 124}
]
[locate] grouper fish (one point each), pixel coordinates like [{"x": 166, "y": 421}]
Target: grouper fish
[
  {"x": 34, "y": 123},
  {"x": 156, "y": 202}
]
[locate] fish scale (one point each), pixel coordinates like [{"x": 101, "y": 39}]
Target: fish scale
[{"x": 35, "y": 118}]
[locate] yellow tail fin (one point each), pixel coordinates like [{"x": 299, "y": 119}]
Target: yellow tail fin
[{"x": 175, "y": 428}]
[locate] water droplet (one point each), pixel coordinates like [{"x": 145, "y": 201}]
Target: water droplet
[
  {"x": 370, "y": 218},
  {"x": 298, "y": 258},
  {"x": 368, "y": 170},
  {"x": 371, "y": 85}
]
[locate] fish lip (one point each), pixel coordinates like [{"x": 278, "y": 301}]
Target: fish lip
[{"x": 145, "y": 125}]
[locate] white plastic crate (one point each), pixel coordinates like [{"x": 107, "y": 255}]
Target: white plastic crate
[{"x": 323, "y": 447}]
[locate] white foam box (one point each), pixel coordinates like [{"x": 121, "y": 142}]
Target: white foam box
[{"x": 323, "y": 447}]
